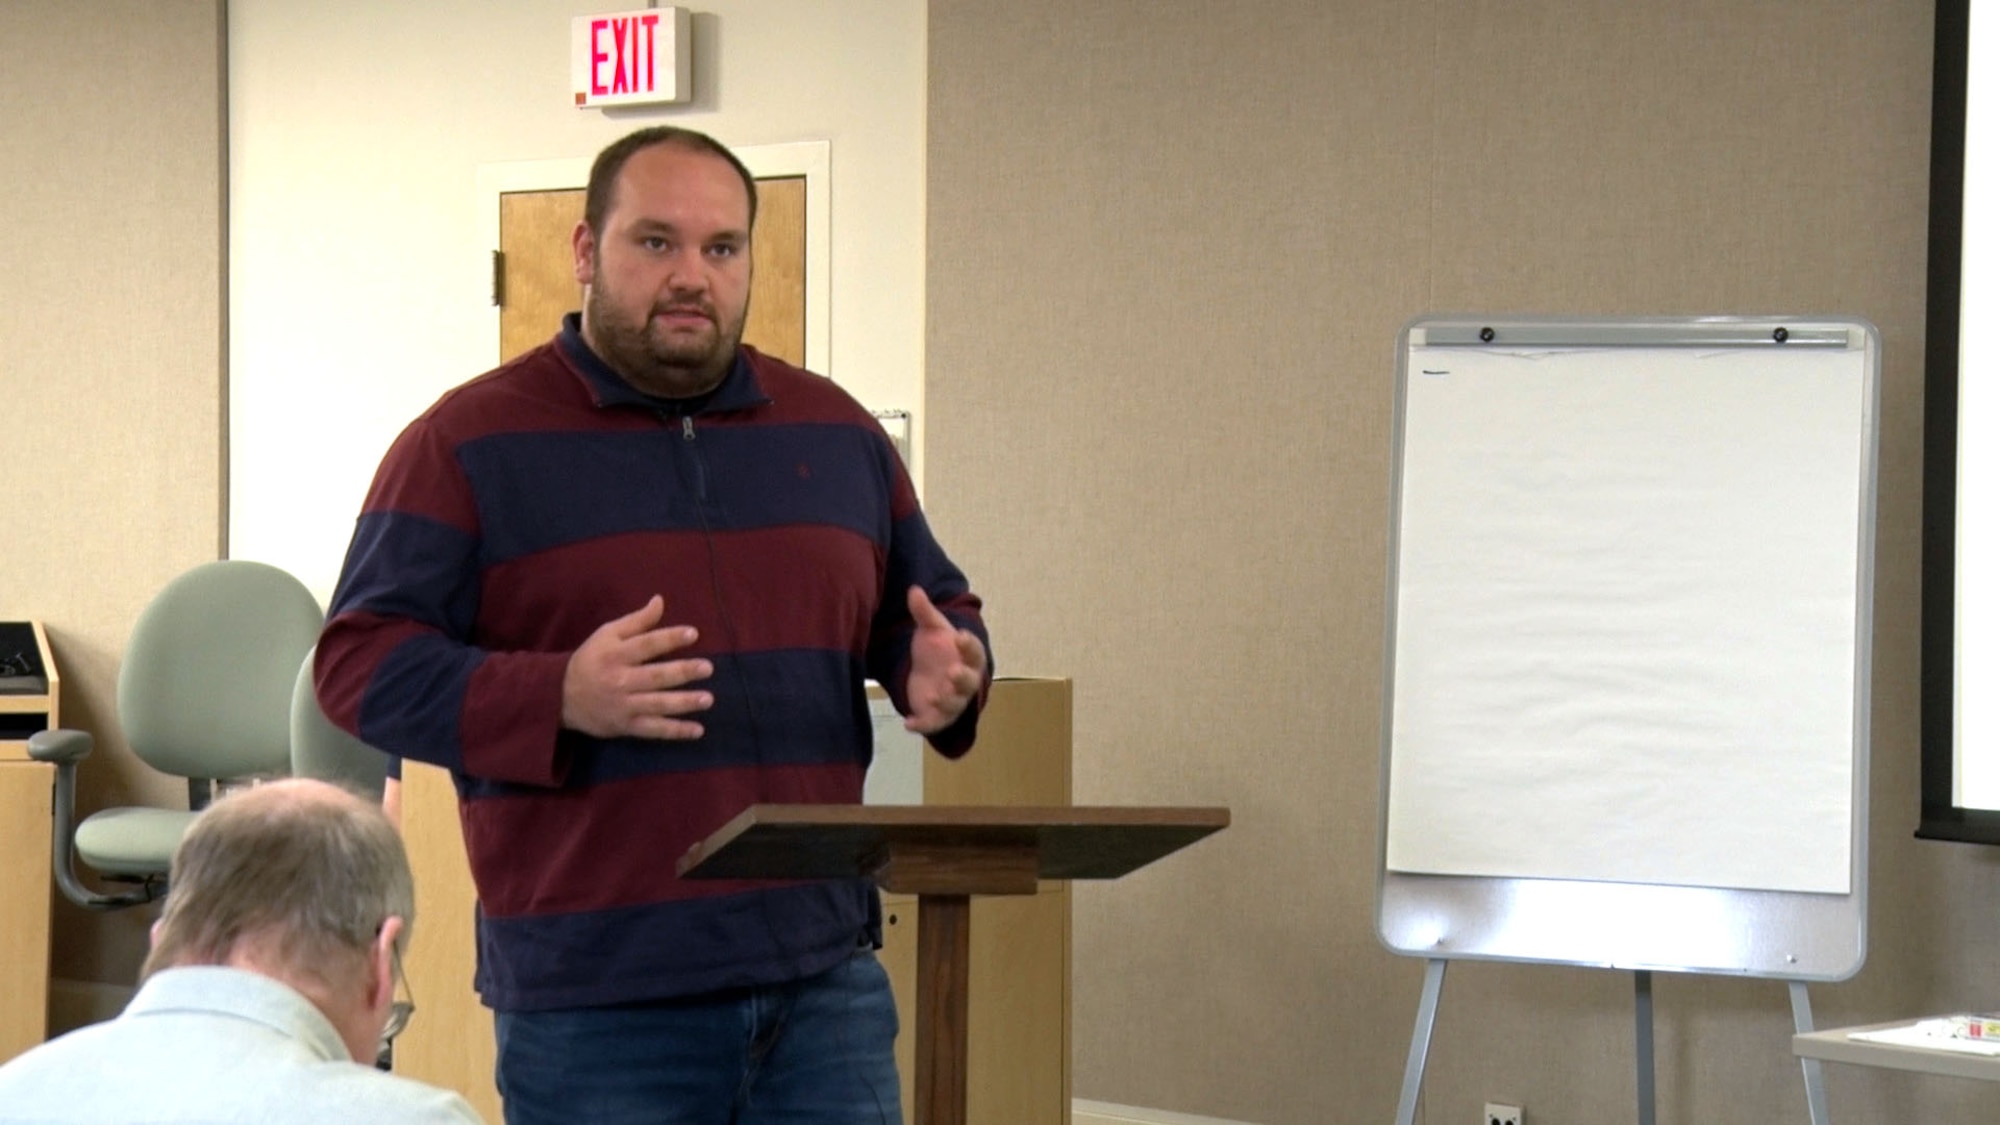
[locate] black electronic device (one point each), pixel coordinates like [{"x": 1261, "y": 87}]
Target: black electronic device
[
  {"x": 21, "y": 670},
  {"x": 28, "y": 685}
]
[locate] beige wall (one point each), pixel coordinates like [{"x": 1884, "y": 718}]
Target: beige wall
[
  {"x": 110, "y": 356},
  {"x": 1170, "y": 248}
]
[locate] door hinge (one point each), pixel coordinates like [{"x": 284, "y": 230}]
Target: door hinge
[{"x": 499, "y": 279}]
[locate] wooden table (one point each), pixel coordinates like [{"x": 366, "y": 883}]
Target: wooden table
[
  {"x": 1837, "y": 1045},
  {"x": 944, "y": 855}
]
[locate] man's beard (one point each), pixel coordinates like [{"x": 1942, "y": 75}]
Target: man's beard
[{"x": 670, "y": 367}]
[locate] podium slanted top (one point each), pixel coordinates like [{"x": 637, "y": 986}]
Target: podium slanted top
[{"x": 845, "y": 841}]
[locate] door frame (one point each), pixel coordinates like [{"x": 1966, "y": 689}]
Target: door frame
[{"x": 810, "y": 159}]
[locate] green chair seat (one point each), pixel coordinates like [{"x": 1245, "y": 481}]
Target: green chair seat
[{"x": 131, "y": 842}]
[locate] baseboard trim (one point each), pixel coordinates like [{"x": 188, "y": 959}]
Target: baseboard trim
[
  {"x": 1085, "y": 1112},
  {"x": 79, "y": 1003}
]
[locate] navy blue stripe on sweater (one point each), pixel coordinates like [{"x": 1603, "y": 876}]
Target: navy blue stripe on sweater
[
  {"x": 409, "y": 567},
  {"x": 723, "y": 479},
  {"x": 927, "y": 567},
  {"x": 398, "y": 707},
  {"x": 797, "y": 707},
  {"x": 604, "y": 957}
]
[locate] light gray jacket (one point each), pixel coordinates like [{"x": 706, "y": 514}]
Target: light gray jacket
[{"x": 216, "y": 1046}]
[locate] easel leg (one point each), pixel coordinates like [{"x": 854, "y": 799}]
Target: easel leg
[
  {"x": 1642, "y": 1041},
  {"x": 1420, "y": 1042},
  {"x": 1815, "y": 1079}
]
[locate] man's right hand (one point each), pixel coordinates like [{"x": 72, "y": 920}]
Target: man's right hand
[{"x": 616, "y": 683}]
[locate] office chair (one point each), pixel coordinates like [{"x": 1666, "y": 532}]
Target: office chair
[
  {"x": 322, "y": 750},
  {"x": 204, "y": 693}
]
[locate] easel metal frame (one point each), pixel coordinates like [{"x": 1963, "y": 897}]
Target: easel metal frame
[{"x": 1642, "y": 1054}]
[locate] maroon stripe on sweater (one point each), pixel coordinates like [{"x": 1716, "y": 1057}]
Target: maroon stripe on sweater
[
  {"x": 616, "y": 845},
  {"x": 801, "y": 586}
]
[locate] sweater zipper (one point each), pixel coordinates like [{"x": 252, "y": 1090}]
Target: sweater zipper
[
  {"x": 691, "y": 456},
  {"x": 697, "y": 474}
]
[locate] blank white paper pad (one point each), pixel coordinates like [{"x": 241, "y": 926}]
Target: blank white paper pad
[{"x": 1625, "y": 616}]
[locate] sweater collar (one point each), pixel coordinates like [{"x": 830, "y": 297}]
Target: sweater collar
[{"x": 739, "y": 389}]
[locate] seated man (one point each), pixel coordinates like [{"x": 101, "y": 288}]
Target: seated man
[{"x": 271, "y": 979}]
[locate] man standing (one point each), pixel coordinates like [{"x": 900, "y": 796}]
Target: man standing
[
  {"x": 623, "y": 587},
  {"x": 271, "y": 979}
]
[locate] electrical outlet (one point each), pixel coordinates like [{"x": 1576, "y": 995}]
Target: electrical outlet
[{"x": 1497, "y": 1114}]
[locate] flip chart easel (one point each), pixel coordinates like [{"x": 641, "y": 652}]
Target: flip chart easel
[{"x": 1629, "y": 616}]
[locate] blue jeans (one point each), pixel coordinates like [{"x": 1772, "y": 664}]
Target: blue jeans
[{"x": 818, "y": 1051}]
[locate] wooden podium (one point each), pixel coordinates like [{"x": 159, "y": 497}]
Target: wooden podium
[{"x": 944, "y": 855}]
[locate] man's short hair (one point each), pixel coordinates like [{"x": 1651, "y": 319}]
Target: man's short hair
[
  {"x": 597, "y": 197},
  {"x": 305, "y": 870}
]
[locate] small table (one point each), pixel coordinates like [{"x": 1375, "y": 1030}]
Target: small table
[
  {"x": 1836, "y": 1045},
  {"x": 944, "y": 855}
]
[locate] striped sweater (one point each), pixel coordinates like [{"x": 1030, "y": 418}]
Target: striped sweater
[{"x": 544, "y": 498}]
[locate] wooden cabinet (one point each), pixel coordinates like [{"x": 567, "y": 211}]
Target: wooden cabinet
[
  {"x": 1020, "y": 972},
  {"x": 26, "y": 792}
]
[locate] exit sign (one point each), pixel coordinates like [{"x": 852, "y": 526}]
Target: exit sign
[{"x": 629, "y": 58}]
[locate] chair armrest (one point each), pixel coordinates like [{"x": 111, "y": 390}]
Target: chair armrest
[{"x": 63, "y": 747}]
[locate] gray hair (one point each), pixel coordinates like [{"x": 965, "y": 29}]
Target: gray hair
[{"x": 306, "y": 871}]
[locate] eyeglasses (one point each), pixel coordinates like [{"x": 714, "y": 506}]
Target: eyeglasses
[{"x": 403, "y": 1007}]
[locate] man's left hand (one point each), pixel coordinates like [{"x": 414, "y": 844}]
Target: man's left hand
[{"x": 947, "y": 667}]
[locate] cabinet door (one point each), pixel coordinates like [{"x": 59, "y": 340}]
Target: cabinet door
[
  {"x": 25, "y": 844},
  {"x": 450, "y": 1040}
]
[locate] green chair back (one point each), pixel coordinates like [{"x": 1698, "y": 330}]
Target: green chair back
[
  {"x": 205, "y": 690},
  {"x": 322, "y": 750}
]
